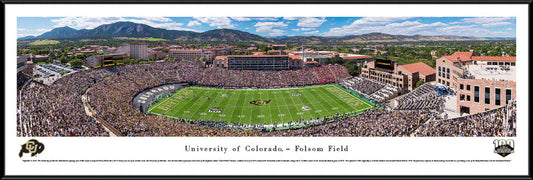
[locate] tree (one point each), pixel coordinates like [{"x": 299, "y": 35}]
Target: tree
[
  {"x": 62, "y": 73},
  {"x": 419, "y": 83},
  {"x": 76, "y": 63},
  {"x": 63, "y": 60}
]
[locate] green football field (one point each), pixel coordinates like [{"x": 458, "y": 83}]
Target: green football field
[{"x": 266, "y": 106}]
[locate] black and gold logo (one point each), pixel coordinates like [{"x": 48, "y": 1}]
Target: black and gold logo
[
  {"x": 33, "y": 147},
  {"x": 503, "y": 147},
  {"x": 215, "y": 110},
  {"x": 260, "y": 102}
]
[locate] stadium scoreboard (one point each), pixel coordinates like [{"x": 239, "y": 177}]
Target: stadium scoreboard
[{"x": 384, "y": 64}]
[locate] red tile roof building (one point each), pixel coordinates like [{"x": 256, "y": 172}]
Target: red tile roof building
[
  {"x": 191, "y": 54},
  {"x": 403, "y": 76},
  {"x": 221, "y": 61},
  {"x": 481, "y": 82}
]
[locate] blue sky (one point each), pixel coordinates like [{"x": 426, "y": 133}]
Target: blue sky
[{"x": 294, "y": 26}]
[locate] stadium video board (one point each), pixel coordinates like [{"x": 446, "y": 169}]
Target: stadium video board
[{"x": 385, "y": 64}]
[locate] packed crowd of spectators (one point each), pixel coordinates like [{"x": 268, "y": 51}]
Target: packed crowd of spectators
[
  {"x": 423, "y": 97},
  {"x": 21, "y": 80},
  {"x": 225, "y": 78},
  {"x": 57, "y": 110},
  {"x": 363, "y": 85},
  {"x": 372, "y": 90},
  {"x": 385, "y": 93},
  {"x": 497, "y": 122}
]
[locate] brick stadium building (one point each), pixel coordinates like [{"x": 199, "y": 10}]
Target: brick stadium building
[
  {"x": 403, "y": 76},
  {"x": 481, "y": 82},
  {"x": 104, "y": 60},
  {"x": 258, "y": 62}
]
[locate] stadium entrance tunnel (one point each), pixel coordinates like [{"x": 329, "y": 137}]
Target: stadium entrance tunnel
[{"x": 149, "y": 96}]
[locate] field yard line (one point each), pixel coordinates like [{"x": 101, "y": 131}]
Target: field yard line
[
  {"x": 285, "y": 100},
  {"x": 355, "y": 96},
  {"x": 251, "y": 110},
  {"x": 234, "y": 107},
  {"x": 341, "y": 106},
  {"x": 358, "y": 99},
  {"x": 298, "y": 97},
  {"x": 260, "y": 108},
  {"x": 242, "y": 109},
  {"x": 270, "y": 108},
  {"x": 201, "y": 108},
  {"x": 183, "y": 107},
  {"x": 159, "y": 103},
  {"x": 171, "y": 108},
  {"x": 218, "y": 105},
  {"x": 318, "y": 94}
]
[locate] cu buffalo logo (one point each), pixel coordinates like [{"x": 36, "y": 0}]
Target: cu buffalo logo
[
  {"x": 33, "y": 147},
  {"x": 260, "y": 102}
]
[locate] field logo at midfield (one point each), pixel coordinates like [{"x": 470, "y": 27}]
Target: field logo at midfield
[
  {"x": 215, "y": 110},
  {"x": 260, "y": 102}
]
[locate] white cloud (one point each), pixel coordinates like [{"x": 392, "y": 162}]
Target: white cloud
[
  {"x": 254, "y": 18},
  {"x": 368, "y": 25},
  {"x": 484, "y": 20},
  {"x": 158, "y": 19},
  {"x": 307, "y": 29},
  {"x": 93, "y": 22},
  {"x": 493, "y": 24},
  {"x": 487, "y": 21},
  {"x": 241, "y": 18},
  {"x": 220, "y": 22},
  {"x": 266, "y": 18},
  {"x": 84, "y": 22},
  {"x": 270, "y": 28},
  {"x": 295, "y": 29},
  {"x": 290, "y": 18},
  {"x": 307, "y": 21},
  {"x": 311, "y": 32},
  {"x": 310, "y": 22},
  {"x": 194, "y": 23},
  {"x": 403, "y": 24},
  {"x": 22, "y": 32}
]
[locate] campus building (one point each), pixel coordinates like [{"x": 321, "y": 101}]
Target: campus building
[
  {"x": 258, "y": 62},
  {"x": 104, "y": 60},
  {"x": 404, "y": 76},
  {"x": 139, "y": 50},
  {"x": 221, "y": 61},
  {"x": 191, "y": 54},
  {"x": 135, "y": 50},
  {"x": 481, "y": 82}
]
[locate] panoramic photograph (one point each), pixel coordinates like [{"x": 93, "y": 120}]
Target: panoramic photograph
[{"x": 266, "y": 76}]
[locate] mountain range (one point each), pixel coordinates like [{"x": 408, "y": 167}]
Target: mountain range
[{"x": 130, "y": 29}]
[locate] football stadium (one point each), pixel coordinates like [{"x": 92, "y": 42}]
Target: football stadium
[
  {"x": 273, "y": 107},
  {"x": 186, "y": 98}
]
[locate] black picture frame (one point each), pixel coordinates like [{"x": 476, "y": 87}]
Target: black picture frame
[{"x": 5, "y": 2}]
